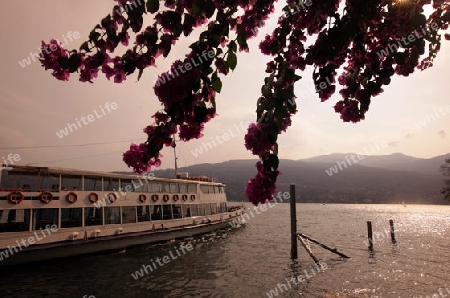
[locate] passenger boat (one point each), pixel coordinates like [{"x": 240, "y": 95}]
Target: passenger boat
[{"x": 48, "y": 213}]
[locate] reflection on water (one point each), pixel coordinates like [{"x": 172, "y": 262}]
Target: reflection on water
[{"x": 255, "y": 260}]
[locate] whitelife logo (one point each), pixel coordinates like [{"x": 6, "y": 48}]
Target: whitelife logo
[{"x": 90, "y": 118}]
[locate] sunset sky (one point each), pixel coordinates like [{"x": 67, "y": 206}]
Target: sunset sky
[{"x": 34, "y": 106}]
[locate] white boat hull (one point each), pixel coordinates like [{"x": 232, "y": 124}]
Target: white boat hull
[{"x": 43, "y": 252}]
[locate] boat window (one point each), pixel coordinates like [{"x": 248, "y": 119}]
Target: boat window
[
  {"x": 93, "y": 216},
  {"x": 177, "y": 211},
  {"x": 154, "y": 187},
  {"x": 111, "y": 184},
  {"x": 140, "y": 185},
  {"x": 207, "y": 209},
  {"x": 45, "y": 218},
  {"x": 126, "y": 185},
  {"x": 67, "y": 183},
  {"x": 217, "y": 189},
  {"x": 214, "y": 208},
  {"x": 14, "y": 220},
  {"x": 167, "y": 211},
  {"x": 165, "y": 187},
  {"x": 112, "y": 215},
  {"x": 174, "y": 188},
  {"x": 192, "y": 188},
  {"x": 183, "y": 187},
  {"x": 156, "y": 212},
  {"x": 93, "y": 183},
  {"x": 143, "y": 213},
  {"x": 71, "y": 217},
  {"x": 223, "y": 207},
  {"x": 128, "y": 214},
  {"x": 186, "y": 210},
  {"x": 211, "y": 188},
  {"x": 204, "y": 188},
  {"x": 201, "y": 209},
  {"x": 194, "y": 209},
  {"x": 16, "y": 181}
]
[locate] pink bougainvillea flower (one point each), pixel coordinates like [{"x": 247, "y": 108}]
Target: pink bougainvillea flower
[
  {"x": 261, "y": 188},
  {"x": 49, "y": 59},
  {"x": 257, "y": 138},
  {"x": 135, "y": 156}
]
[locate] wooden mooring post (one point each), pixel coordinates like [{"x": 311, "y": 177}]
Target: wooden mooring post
[
  {"x": 294, "y": 251},
  {"x": 369, "y": 234},
  {"x": 391, "y": 224}
]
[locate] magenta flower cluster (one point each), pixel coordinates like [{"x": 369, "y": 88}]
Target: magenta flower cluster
[{"x": 349, "y": 39}]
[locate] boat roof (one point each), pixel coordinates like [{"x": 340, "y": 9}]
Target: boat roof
[{"x": 24, "y": 169}]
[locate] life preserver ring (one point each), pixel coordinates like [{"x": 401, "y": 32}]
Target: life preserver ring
[
  {"x": 192, "y": 197},
  {"x": 184, "y": 197},
  {"x": 93, "y": 197},
  {"x": 112, "y": 197},
  {"x": 175, "y": 198},
  {"x": 142, "y": 198},
  {"x": 12, "y": 198},
  {"x": 46, "y": 197},
  {"x": 155, "y": 198},
  {"x": 165, "y": 198},
  {"x": 72, "y": 197}
]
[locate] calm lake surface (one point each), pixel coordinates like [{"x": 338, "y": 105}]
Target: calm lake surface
[{"x": 255, "y": 261}]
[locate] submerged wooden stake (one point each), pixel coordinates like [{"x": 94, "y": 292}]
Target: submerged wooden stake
[
  {"x": 294, "y": 252},
  {"x": 316, "y": 260},
  {"x": 333, "y": 250},
  {"x": 369, "y": 234},
  {"x": 391, "y": 224}
]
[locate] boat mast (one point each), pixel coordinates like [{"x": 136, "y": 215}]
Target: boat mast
[{"x": 175, "y": 157}]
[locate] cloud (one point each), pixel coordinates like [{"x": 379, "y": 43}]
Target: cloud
[
  {"x": 441, "y": 133},
  {"x": 409, "y": 135},
  {"x": 393, "y": 144}
]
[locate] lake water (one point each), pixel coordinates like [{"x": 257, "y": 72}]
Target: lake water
[{"x": 255, "y": 261}]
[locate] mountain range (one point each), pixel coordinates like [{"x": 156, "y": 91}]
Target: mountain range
[{"x": 338, "y": 178}]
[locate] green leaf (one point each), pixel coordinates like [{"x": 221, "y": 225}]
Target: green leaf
[
  {"x": 141, "y": 71},
  {"x": 284, "y": 94},
  {"x": 74, "y": 62},
  {"x": 85, "y": 46},
  {"x": 210, "y": 8},
  {"x": 273, "y": 161},
  {"x": 196, "y": 10},
  {"x": 189, "y": 22},
  {"x": 106, "y": 21},
  {"x": 94, "y": 35},
  {"x": 217, "y": 85},
  {"x": 175, "y": 20},
  {"x": 152, "y": 6},
  {"x": 232, "y": 60},
  {"x": 241, "y": 39},
  {"x": 232, "y": 46},
  {"x": 63, "y": 62}
]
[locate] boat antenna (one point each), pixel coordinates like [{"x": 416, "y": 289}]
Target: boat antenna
[{"x": 175, "y": 156}]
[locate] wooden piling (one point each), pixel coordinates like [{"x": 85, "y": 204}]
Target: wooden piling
[
  {"x": 294, "y": 251},
  {"x": 333, "y": 250},
  {"x": 391, "y": 224},
  {"x": 369, "y": 234},
  {"x": 315, "y": 259}
]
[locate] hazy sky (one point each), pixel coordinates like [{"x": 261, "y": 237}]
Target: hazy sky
[{"x": 34, "y": 106}]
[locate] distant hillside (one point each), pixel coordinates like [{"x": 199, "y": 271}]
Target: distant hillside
[
  {"x": 382, "y": 179},
  {"x": 396, "y": 161}
]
